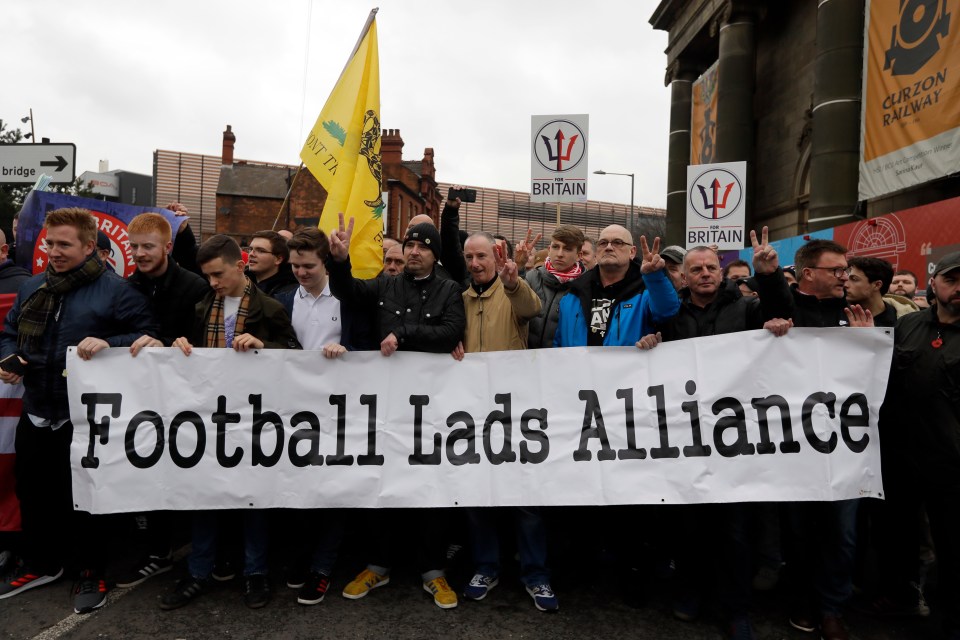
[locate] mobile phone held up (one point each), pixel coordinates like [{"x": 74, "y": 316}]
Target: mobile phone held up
[
  {"x": 465, "y": 195},
  {"x": 12, "y": 364}
]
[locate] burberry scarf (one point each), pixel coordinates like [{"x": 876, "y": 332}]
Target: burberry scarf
[
  {"x": 36, "y": 311},
  {"x": 216, "y": 331}
]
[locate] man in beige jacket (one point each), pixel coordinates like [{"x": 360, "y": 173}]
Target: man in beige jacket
[{"x": 499, "y": 304}]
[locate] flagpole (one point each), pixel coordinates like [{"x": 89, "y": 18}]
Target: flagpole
[
  {"x": 356, "y": 47},
  {"x": 286, "y": 198},
  {"x": 363, "y": 33}
]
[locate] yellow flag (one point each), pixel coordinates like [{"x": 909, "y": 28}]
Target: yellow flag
[{"x": 343, "y": 154}]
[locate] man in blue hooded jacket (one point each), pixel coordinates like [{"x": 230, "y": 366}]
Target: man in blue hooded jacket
[{"x": 618, "y": 302}]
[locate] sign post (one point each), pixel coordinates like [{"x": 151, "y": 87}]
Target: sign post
[
  {"x": 558, "y": 159},
  {"x": 23, "y": 163}
]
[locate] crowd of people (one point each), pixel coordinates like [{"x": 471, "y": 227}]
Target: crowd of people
[{"x": 446, "y": 291}]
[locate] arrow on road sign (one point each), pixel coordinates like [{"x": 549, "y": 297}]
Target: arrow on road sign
[{"x": 59, "y": 163}]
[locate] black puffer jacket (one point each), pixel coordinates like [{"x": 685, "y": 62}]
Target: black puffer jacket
[
  {"x": 173, "y": 297},
  {"x": 12, "y": 276},
  {"x": 731, "y": 311},
  {"x": 424, "y": 315},
  {"x": 809, "y": 311},
  {"x": 920, "y": 417}
]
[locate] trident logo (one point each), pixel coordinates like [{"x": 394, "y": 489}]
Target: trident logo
[
  {"x": 716, "y": 204},
  {"x": 559, "y": 157}
]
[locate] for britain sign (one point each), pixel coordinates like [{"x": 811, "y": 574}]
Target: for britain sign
[
  {"x": 716, "y": 207},
  {"x": 558, "y": 155}
]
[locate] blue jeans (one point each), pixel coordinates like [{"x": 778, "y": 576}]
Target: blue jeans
[
  {"x": 203, "y": 553},
  {"x": 329, "y": 536},
  {"x": 825, "y": 540},
  {"x": 531, "y": 543}
]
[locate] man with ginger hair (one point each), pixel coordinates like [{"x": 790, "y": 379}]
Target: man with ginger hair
[{"x": 173, "y": 293}]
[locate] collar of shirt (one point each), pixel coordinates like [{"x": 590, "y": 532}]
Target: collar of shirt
[{"x": 303, "y": 293}]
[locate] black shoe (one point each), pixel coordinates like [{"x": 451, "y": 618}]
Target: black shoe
[
  {"x": 184, "y": 593},
  {"x": 296, "y": 578},
  {"x": 90, "y": 593},
  {"x": 223, "y": 571},
  {"x": 146, "y": 568},
  {"x": 7, "y": 562},
  {"x": 256, "y": 592},
  {"x": 313, "y": 589},
  {"x": 20, "y": 578}
]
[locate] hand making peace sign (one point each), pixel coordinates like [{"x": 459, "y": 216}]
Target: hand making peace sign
[
  {"x": 651, "y": 257},
  {"x": 765, "y": 258},
  {"x": 523, "y": 250},
  {"x": 340, "y": 240},
  {"x": 506, "y": 268}
]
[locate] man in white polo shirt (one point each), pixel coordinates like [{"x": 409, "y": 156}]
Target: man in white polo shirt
[{"x": 322, "y": 323}]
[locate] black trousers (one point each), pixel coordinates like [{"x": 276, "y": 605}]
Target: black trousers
[{"x": 53, "y": 533}]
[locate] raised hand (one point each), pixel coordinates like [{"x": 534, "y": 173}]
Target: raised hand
[
  {"x": 651, "y": 257},
  {"x": 857, "y": 316},
  {"x": 507, "y": 269},
  {"x": 340, "y": 240},
  {"x": 765, "y": 259},
  {"x": 454, "y": 202},
  {"x": 523, "y": 249}
]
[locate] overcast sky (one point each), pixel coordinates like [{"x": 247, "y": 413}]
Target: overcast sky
[{"x": 121, "y": 79}]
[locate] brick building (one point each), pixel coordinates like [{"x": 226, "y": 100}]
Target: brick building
[
  {"x": 250, "y": 195},
  {"x": 239, "y": 197}
]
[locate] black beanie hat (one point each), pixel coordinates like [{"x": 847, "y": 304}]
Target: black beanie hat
[{"x": 427, "y": 234}]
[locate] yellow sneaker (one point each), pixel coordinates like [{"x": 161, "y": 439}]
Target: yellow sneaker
[
  {"x": 443, "y": 596},
  {"x": 363, "y": 583}
]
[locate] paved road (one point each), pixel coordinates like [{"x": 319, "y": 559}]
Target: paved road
[{"x": 598, "y": 600}]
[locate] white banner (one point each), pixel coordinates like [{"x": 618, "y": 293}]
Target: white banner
[
  {"x": 739, "y": 417},
  {"x": 716, "y": 205}
]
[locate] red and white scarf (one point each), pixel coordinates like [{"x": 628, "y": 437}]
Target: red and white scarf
[{"x": 563, "y": 276}]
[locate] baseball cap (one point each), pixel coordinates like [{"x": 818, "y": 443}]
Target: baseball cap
[
  {"x": 103, "y": 241},
  {"x": 673, "y": 253},
  {"x": 947, "y": 263}
]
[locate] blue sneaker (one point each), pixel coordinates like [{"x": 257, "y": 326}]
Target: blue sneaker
[
  {"x": 479, "y": 587},
  {"x": 543, "y": 597}
]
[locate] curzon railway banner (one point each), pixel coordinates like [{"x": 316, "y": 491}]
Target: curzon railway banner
[
  {"x": 730, "y": 418},
  {"x": 911, "y": 94}
]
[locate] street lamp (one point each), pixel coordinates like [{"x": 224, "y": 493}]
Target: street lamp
[
  {"x": 601, "y": 172},
  {"x": 30, "y": 136}
]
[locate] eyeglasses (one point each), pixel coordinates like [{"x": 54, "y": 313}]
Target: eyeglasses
[
  {"x": 618, "y": 243},
  {"x": 838, "y": 272},
  {"x": 260, "y": 251}
]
